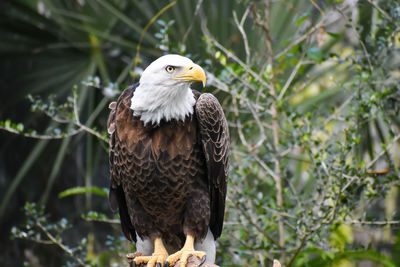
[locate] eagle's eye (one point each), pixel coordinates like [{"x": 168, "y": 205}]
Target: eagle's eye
[{"x": 170, "y": 68}]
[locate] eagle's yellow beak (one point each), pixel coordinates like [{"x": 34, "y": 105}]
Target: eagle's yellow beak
[{"x": 193, "y": 73}]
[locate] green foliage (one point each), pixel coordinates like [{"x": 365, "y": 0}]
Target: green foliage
[
  {"x": 311, "y": 96},
  {"x": 319, "y": 257},
  {"x": 38, "y": 229},
  {"x": 83, "y": 190}
]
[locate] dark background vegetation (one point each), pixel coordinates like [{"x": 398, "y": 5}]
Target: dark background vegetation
[{"x": 310, "y": 90}]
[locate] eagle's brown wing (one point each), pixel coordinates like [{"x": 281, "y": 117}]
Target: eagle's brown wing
[
  {"x": 116, "y": 196},
  {"x": 215, "y": 139}
]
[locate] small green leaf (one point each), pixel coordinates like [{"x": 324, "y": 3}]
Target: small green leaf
[
  {"x": 315, "y": 53},
  {"x": 302, "y": 18},
  {"x": 161, "y": 22},
  {"x": 365, "y": 76},
  {"x": 7, "y": 124},
  {"x": 83, "y": 190},
  {"x": 217, "y": 54},
  {"x": 335, "y": 35},
  {"x": 20, "y": 127}
]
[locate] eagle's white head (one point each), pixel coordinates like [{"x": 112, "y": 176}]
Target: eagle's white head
[{"x": 164, "y": 89}]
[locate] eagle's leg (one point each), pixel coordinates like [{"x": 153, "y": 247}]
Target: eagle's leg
[
  {"x": 158, "y": 257},
  {"x": 185, "y": 252}
]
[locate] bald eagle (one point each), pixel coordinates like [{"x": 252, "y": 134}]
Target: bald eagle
[{"x": 169, "y": 150}]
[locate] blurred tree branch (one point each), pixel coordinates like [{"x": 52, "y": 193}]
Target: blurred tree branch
[{"x": 68, "y": 119}]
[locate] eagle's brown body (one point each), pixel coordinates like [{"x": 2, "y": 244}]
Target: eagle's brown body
[{"x": 169, "y": 180}]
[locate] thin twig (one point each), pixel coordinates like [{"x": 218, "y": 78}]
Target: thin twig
[
  {"x": 290, "y": 79},
  {"x": 383, "y": 152},
  {"x": 264, "y": 24},
  {"x": 196, "y": 12},
  {"x": 239, "y": 125},
  {"x": 75, "y": 121},
  {"x": 380, "y": 10},
  {"x": 41, "y": 136},
  {"x": 240, "y": 27},
  {"x": 256, "y": 225},
  {"x": 295, "y": 194},
  {"x": 299, "y": 247},
  {"x": 93, "y": 132},
  {"x": 350, "y": 182},
  {"x": 299, "y": 40},
  {"x": 259, "y": 124},
  {"x": 78, "y": 123},
  {"x": 339, "y": 109},
  {"x": 75, "y": 107},
  {"x": 232, "y": 56},
  {"x": 364, "y": 48},
  {"x": 243, "y": 81},
  {"x": 265, "y": 167},
  {"x": 317, "y": 7},
  {"x": 389, "y": 222},
  {"x": 153, "y": 19},
  {"x": 59, "y": 244}
]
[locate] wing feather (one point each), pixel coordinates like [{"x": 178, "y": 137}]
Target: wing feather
[
  {"x": 117, "y": 196},
  {"x": 214, "y": 136}
]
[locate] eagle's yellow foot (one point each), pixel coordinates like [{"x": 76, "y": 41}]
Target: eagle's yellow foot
[
  {"x": 156, "y": 259},
  {"x": 184, "y": 254}
]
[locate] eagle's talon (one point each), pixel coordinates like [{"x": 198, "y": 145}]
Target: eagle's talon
[
  {"x": 203, "y": 260},
  {"x": 183, "y": 256},
  {"x": 159, "y": 256},
  {"x": 151, "y": 261}
]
